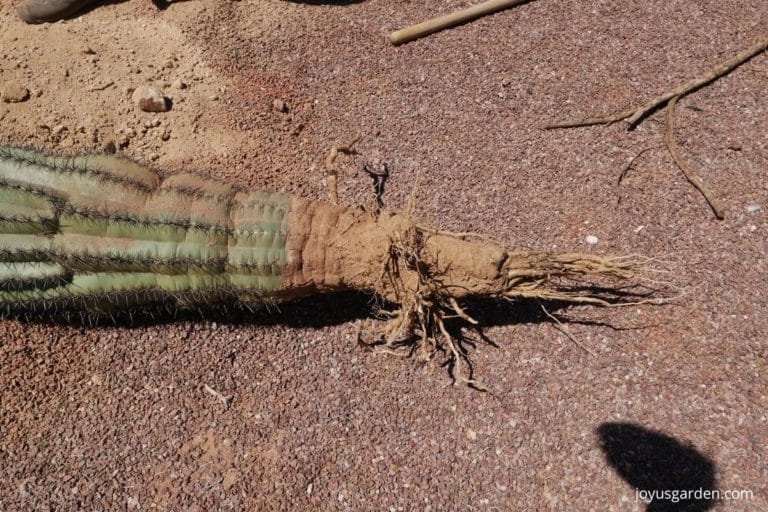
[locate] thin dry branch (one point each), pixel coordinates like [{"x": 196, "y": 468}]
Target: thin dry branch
[
  {"x": 696, "y": 181},
  {"x": 634, "y": 115}
]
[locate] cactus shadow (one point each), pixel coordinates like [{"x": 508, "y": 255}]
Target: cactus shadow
[
  {"x": 660, "y": 467},
  {"x": 315, "y": 311}
]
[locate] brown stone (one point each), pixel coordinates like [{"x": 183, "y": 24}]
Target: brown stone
[
  {"x": 150, "y": 99},
  {"x": 13, "y": 92}
]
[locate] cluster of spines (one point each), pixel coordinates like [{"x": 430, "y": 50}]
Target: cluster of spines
[
  {"x": 248, "y": 277},
  {"x": 182, "y": 223},
  {"x": 69, "y": 164}
]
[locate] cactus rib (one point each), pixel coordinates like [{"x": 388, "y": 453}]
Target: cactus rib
[{"x": 117, "y": 234}]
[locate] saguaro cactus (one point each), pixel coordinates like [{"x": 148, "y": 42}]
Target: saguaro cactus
[{"x": 96, "y": 233}]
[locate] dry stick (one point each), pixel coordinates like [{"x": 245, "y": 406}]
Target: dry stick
[
  {"x": 634, "y": 115},
  {"x": 696, "y": 181},
  {"x": 449, "y": 20},
  {"x": 330, "y": 170}
]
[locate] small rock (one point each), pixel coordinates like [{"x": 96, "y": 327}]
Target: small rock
[
  {"x": 89, "y": 51},
  {"x": 179, "y": 84},
  {"x": 592, "y": 239},
  {"x": 754, "y": 208},
  {"x": 13, "y": 92},
  {"x": 280, "y": 106},
  {"x": 150, "y": 99}
]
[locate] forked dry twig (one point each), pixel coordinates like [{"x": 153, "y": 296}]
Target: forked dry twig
[{"x": 635, "y": 115}]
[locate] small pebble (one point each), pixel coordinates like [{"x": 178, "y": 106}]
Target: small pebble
[
  {"x": 150, "y": 99},
  {"x": 280, "y": 106},
  {"x": 754, "y": 208},
  {"x": 13, "y": 92},
  {"x": 592, "y": 239},
  {"x": 179, "y": 84}
]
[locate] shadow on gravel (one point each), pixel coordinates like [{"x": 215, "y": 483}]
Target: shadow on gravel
[
  {"x": 164, "y": 4},
  {"x": 87, "y": 7},
  {"x": 314, "y": 312},
  {"x": 675, "y": 477},
  {"x": 323, "y": 310}
]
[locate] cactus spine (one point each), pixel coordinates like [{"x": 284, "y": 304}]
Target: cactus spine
[{"x": 96, "y": 232}]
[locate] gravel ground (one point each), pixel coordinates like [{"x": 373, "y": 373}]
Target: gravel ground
[{"x": 285, "y": 411}]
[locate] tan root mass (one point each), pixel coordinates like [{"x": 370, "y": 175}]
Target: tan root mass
[{"x": 425, "y": 273}]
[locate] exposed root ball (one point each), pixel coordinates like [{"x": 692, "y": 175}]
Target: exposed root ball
[{"x": 427, "y": 273}]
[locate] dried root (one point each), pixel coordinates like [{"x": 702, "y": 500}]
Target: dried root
[{"x": 428, "y": 299}]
